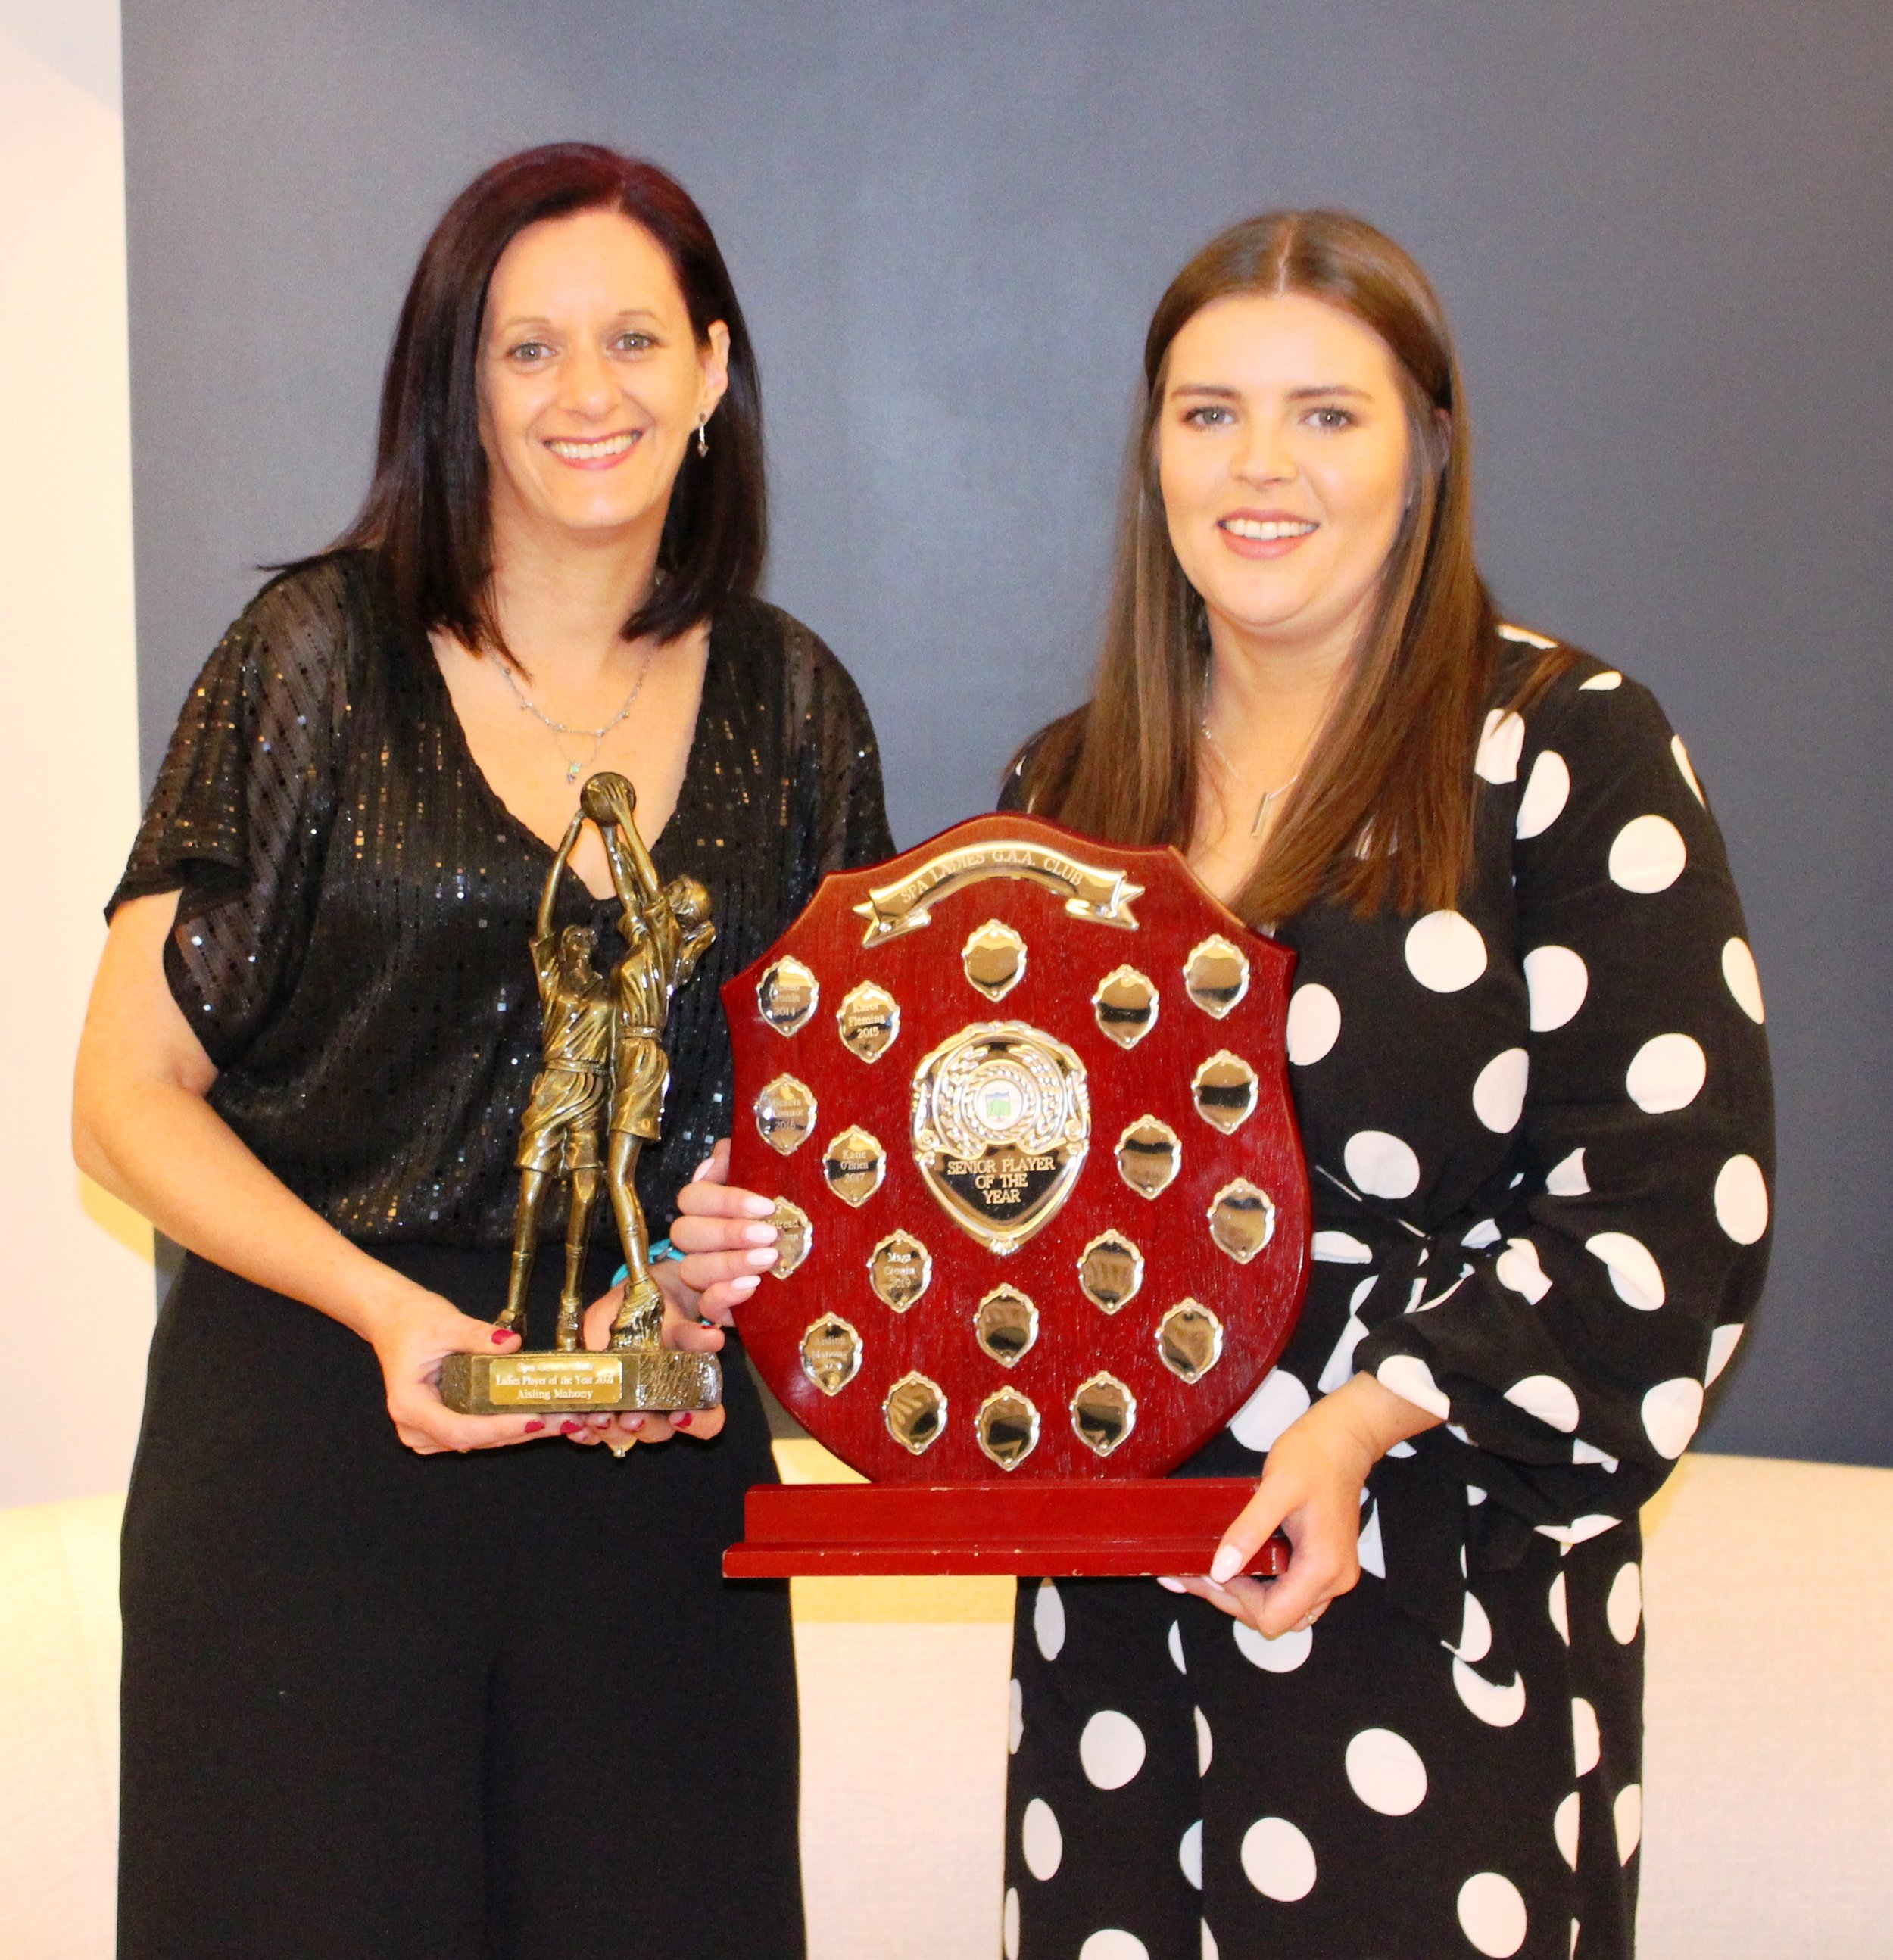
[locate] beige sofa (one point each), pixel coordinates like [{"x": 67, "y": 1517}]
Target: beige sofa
[{"x": 1768, "y": 1830}]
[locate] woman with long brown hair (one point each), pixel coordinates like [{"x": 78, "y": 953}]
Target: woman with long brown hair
[
  {"x": 1525, "y": 1045},
  {"x": 394, "y": 1686}
]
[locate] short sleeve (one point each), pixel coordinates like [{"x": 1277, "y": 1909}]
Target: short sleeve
[
  {"x": 239, "y": 819},
  {"x": 1569, "y": 1338}
]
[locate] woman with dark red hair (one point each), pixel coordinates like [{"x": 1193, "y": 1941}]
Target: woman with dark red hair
[{"x": 393, "y": 1685}]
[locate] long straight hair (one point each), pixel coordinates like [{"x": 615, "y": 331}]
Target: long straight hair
[
  {"x": 428, "y": 514},
  {"x": 1383, "y": 807}
]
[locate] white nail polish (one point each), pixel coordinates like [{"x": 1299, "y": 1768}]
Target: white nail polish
[{"x": 1226, "y": 1564}]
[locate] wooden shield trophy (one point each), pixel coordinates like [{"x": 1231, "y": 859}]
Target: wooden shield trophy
[{"x": 1022, "y": 1099}]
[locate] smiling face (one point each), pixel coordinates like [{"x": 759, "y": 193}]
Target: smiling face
[
  {"x": 591, "y": 380},
  {"x": 1284, "y": 457}
]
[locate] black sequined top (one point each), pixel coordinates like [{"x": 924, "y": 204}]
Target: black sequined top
[{"x": 351, "y": 944}]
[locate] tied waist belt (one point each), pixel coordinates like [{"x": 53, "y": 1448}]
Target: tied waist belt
[{"x": 580, "y": 1068}]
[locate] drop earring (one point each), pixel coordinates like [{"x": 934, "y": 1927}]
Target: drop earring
[{"x": 702, "y": 440}]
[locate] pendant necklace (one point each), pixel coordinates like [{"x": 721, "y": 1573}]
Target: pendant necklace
[
  {"x": 595, "y": 736},
  {"x": 1268, "y": 796}
]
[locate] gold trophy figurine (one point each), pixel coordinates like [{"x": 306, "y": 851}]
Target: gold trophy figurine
[
  {"x": 603, "y": 1051},
  {"x": 667, "y": 930}
]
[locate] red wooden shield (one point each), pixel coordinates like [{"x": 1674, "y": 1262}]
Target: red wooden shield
[{"x": 1030, "y": 1093}]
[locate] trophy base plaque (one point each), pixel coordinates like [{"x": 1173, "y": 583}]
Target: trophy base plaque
[
  {"x": 559, "y": 1382},
  {"x": 1119, "y": 1528}
]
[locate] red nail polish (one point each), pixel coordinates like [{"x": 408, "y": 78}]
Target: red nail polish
[
  {"x": 681, "y": 1420},
  {"x": 569, "y": 1427},
  {"x": 501, "y": 1334},
  {"x": 534, "y": 1427}
]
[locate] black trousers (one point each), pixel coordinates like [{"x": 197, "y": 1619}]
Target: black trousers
[{"x": 383, "y": 1706}]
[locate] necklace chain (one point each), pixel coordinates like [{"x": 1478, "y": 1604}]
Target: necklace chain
[
  {"x": 1268, "y": 796},
  {"x": 595, "y": 736}
]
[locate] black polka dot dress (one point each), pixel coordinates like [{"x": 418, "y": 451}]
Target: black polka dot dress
[{"x": 1539, "y": 1127}]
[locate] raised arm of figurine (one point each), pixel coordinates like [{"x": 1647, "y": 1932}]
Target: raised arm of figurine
[
  {"x": 611, "y": 803},
  {"x": 545, "y": 941}
]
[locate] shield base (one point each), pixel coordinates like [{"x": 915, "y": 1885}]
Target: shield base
[{"x": 1122, "y": 1527}]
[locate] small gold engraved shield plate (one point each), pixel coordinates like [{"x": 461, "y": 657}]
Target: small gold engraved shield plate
[
  {"x": 831, "y": 1354},
  {"x": 583, "y": 1380},
  {"x": 1104, "y": 1412},
  {"x": 794, "y": 1235},
  {"x": 788, "y": 994},
  {"x": 1007, "y": 1426},
  {"x": 854, "y": 1164},
  {"x": 1126, "y": 1005},
  {"x": 1224, "y": 1089},
  {"x": 1111, "y": 1269},
  {"x": 1216, "y": 975},
  {"x": 900, "y": 1269},
  {"x": 994, "y": 958},
  {"x": 916, "y": 1412},
  {"x": 1005, "y": 1325},
  {"x": 1241, "y": 1220},
  {"x": 868, "y": 1020},
  {"x": 1149, "y": 1155},
  {"x": 1190, "y": 1340},
  {"x": 786, "y": 1114},
  {"x": 1001, "y": 1123}
]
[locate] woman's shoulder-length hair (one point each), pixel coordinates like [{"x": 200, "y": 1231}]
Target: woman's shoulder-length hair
[
  {"x": 426, "y": 518},
  {"x": 1383, "y": 807}
]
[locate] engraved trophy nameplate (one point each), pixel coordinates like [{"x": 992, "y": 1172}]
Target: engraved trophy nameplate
[{"x": 1022, "y": 1098}]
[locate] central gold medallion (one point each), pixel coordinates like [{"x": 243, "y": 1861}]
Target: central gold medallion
[{"x": 1001, "y": 1123}]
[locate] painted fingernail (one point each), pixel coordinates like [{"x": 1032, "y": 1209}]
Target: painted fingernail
[
  {"x": 534, "y": 1427},
  {"x": 759, "y": 1235},
  {"x": 697, "y": 1175},
  {"x": 763, "y": 1255},
  {"x": 758, "y": 1207},
  {"x": 1171, "y": 1585},
  {"x": 502, "y": 1333},
  {"x": 569, "y": 1427},
  {"x": 1226, "y": 1564},
  {"x": 745, "y": 1283},
  {"x": 682, "y": 1420}
]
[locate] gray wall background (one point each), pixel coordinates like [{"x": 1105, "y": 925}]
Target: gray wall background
[{"x": 1664, "y": 233}]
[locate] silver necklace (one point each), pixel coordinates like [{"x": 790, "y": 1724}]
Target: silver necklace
[
  {"x": 1268, "y": 796},
  {"x": 595, "y": 736}
]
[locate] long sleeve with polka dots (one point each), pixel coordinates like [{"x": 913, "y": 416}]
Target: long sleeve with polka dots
[{"x": 1567, "y": 1331}]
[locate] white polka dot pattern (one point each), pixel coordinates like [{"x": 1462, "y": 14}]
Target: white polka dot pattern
[
  {"x": 1281, "y": 1655},
  {"x": 1672, "y": 1409},
  {"x": 1623, "y": 1606},
  {"x": 1742, "y": 1200},
  {"x": 1548, "y": 1398},
  {"x": 1682, "y": 754},
  {"x": 1634, "y": 1274},
  {"x": 1647, "y": 855},
  {"x": 1209, "y": 1952},
  {"x": 1606, "y": 682},
  {"x": 1497, "y": 1705},
  {"x": 1040, "y": 1840},
  {"x": 1048, "y": 1620},
  {"x": 1558, "y": 1604},
  {"x": 1110, "y": 1750},
  {"x": 1014, "y": 1719},
  {"x": 1547, "y": 790},
  {"x": 1492, "y": 1915},
  {"x": 1500, "y": 744},
  {"x": 1407, "y": 1375},
  {"x": 1315, "y": 1023},
  {"x": 1112, "y": 1942},
  {"x": 1475, "y": 1631},
  {"x": 1627, "y": 1814},
  {"x": 1189, "y": 1854},
  {"x": 1380, "y": 1165},
  {"x": 1008, "y": 1923},
  {"x": 1206, "y": 1742},
  {"x": 1281, "y": 1399},
  {"x": 1498, "y": 1094},
  {"x": 1564, "y": 1829},
  {"x": 1743, "y": 980},
  {"x": 1278, "y": 1859},
  {"x": 1722, "y": 1345},
  {"x": 1385, "y": 1772},
  {"x": 1445, "y": 952},
  {"x": 1666, "y": 1073},
  {"x": 1555, "y": 980},
  {"x": 1567, "y": 1177},
  {"x": 1587, "y": 1746},
  {"x": 1518, "y": 1267},
  {"x": 1175, "y": 1642}
]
